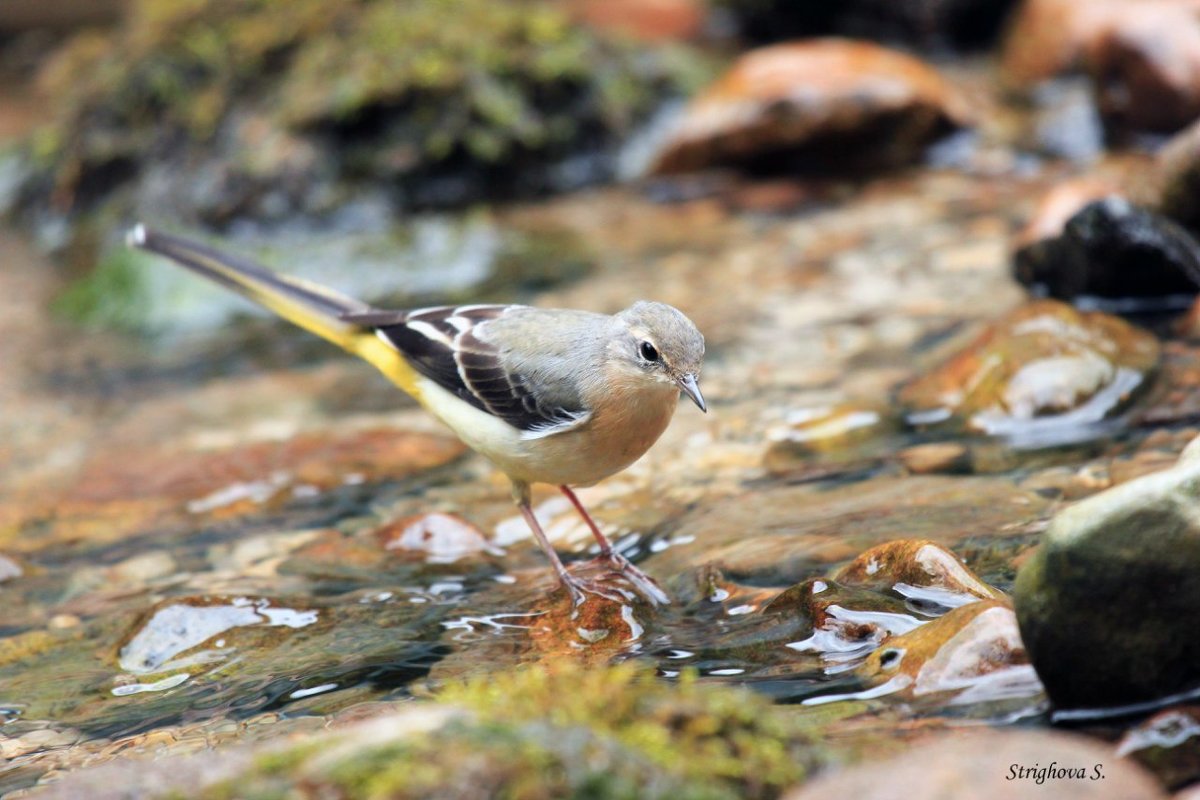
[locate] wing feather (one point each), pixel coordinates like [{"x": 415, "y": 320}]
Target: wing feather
[{"x": 449, "y": 345}]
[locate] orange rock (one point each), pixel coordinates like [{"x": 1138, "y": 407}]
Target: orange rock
[
  {"x": 645, "y": 20},
  {"x": 917, "y": 568},
  {"x": 119, "y": 492},
  {"x": 1038, "y": 371},
  {"x": 844, "y": 623},
  {"x": 1050, "y": 37},
  {"x": 597, "y": 629},
  {"x": 821, "y": 98},
  {"x": 1143, "y": 55},
  {"x": 1147, "y": 66},
  {"x": 962, "y": 653},
  {"x": 936, "y": 457}
]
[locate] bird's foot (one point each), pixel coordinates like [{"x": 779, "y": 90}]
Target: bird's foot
[
  {"x": 646, "y": 586},
  {"x": 580, "y": 588}
]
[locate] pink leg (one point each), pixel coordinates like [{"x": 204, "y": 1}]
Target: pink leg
[
  {"x": 573, "y": 585},
  {"x": 606, "y": 548},
  {"x": 644, "y": 583}
]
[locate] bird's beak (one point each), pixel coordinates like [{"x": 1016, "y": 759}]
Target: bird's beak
[{"x": 689, "y": 386}]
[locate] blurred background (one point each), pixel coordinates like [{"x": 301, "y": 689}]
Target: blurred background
[{"x": 944, "y": 256}]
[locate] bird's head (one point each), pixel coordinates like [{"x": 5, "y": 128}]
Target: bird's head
[{"x": 659, "y": 343}]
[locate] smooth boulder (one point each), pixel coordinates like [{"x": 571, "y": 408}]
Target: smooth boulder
[
  {"x": 820, "y": 104},
  {"x": 1107, "y": 603}
]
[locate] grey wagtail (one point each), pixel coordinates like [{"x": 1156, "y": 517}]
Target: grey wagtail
[{"x": 547, "y": 395}]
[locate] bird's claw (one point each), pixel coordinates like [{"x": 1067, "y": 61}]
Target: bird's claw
[
  {"x": 646, "y": 586},
  {"x": 580, "y": 588}
]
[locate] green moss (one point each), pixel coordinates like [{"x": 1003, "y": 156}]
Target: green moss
[
  {"x": 701, "y": 732},
  {"x": 112, "y": 295},
  {"x": 567, "y": 732},
  {"x": 423, "y": 81}
]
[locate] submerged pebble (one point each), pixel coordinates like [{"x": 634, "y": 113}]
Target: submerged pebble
[
  {"x": 929, "y": 577},
  {"x": 1044, "y": 373},
  {"x": 1168, "y": 744},
  {"x": 440, "y": 538},
  {"x": 973, "y": 653},
  {"x": 169, "y": 637}
]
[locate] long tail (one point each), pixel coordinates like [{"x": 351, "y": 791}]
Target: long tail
[{"x": 312, "y": 307}]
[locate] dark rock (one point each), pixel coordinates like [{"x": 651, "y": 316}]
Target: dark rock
[
  {"x": 976, "y": 765},
  {"x": 1168, "y": 744},
  {"x": 814, "y": 105},
  {"x": 1113, "y": 249},
  {"x": 1107, "y": 603},
  {"x": 935, "y": 24}
]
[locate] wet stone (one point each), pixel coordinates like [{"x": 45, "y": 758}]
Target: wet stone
[
  {"x": 845, "y": 624},
  {"x": 123, "y": 491},
  {"x": 846, "y": 434},
  {"x": 1114, "y": 250},
  {"x": 438, "y": 538},
  {"x": 1049, "y": 37},
  {"x": 939, "y": 457},
  {"x": 1140, "y": 56},
  {"x": 802, "y": 102},
  {"x": 9, "y": 569},
  {"x": 1146, "y": 65},
  {"x": 1043, "y": 374},
  {"x": 783, "y": 534},
  {"x": 973, "y": 654},
  {"x": 1106, "y": 603},
  {"x": 929, "y": 577},
  {"x": 593, "y": 631},
  {"x": 1168, "y": 744},
  {"x": 170, "y": 637}
]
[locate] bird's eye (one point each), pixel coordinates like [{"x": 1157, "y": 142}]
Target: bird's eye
[{"x": 648, "y": 352}]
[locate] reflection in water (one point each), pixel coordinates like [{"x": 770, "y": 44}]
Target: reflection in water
[{"x": 176, "y": 629}]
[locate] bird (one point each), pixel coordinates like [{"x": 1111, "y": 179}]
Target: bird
[{"x": 554, "y": 396}]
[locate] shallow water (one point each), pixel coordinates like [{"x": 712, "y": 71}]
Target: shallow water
[{"x": 196, "y": 528}]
